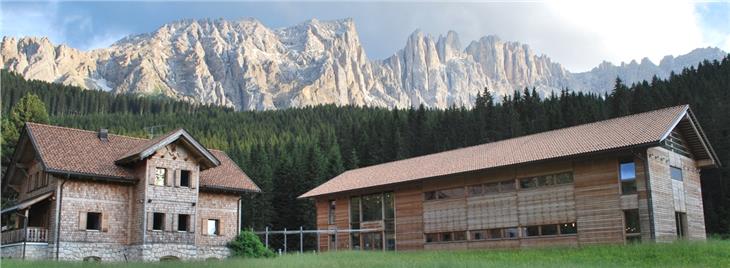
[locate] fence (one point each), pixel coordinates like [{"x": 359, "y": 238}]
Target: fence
[{"x": 302, "y": 240}]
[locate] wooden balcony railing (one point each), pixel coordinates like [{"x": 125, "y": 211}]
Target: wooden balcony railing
[{"x": 30, "y": 234}]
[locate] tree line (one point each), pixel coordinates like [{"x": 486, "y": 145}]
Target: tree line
[{"x": 288, "y": 152}]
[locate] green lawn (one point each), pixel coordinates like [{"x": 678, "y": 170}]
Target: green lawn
[{"x": 699, "y": 254}]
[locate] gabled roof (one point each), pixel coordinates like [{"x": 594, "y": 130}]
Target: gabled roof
[
  {"x": 81, "y": 153},
  {"x": 148, "y": 148},
  {"x": 642, "y": 129}
]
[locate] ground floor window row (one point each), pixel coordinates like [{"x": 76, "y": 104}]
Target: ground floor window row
[{"x": 504, "y": 233}]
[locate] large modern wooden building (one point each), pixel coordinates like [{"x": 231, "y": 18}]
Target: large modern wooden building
[{"x": 634, "y": 178}]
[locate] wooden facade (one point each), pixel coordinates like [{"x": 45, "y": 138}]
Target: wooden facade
[{"x": 593, "y": 202}]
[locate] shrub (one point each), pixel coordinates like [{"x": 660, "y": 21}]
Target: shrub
[{"x": 248, "y": 245}]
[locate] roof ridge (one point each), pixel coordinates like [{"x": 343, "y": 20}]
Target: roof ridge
[
  {"x": 82, "y": 130},
  {"x": 523, "y": 137}
]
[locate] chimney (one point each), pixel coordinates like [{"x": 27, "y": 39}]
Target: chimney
[{"x": 103, "y": 134}]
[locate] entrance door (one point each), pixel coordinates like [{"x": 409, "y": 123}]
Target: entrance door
[{"x": 372, "y": 241}]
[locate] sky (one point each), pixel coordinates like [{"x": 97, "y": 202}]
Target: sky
[{"x": 577, "y": 34}]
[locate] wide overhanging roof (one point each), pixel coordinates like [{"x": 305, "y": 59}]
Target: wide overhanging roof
[
  {"x": 644, "y": 129},
  {"x": 28, "y": 203}
]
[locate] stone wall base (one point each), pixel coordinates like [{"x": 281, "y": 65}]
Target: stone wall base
[
  {"x": 112, "y": 252},
  {"x": 33, "y": 251}
]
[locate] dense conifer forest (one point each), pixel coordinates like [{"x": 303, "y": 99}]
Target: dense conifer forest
[{"x": 288, "y": 152}]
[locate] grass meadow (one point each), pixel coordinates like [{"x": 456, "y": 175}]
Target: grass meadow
[{"x": 714, "y": 253}]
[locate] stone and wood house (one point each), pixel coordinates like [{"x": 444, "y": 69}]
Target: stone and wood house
[
  {"x": 633, "y": 178},
  {"x": 86, "y": 195}
]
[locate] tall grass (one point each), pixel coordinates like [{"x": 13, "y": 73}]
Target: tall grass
[{"x": 681, "y": 254}]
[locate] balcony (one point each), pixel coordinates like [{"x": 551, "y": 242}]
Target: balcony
[{"x": 29, "y": 234}]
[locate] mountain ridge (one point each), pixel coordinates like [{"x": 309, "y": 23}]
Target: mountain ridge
[{"x": 249, "y": 66}]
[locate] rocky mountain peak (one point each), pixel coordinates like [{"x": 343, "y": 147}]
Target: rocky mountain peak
[{"x": 249, "y": 66}]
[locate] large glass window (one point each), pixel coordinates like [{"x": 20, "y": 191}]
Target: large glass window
[
  {"x": 676, "y": 173},
  {"x": 372, "y": 207},
  {"x": 627, "y": 170}
]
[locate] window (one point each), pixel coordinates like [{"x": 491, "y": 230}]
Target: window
[
  {"x": 676, "y": 143},
  {"x": 331, "y": 212},
  {"x": 388, "y": 205},
  {"x": 627, "y": 170},
  {"x": 160, "y": 176},
  {"x": 478, "y": 235},
  {"x": 494, "y": 233},
  {"x": 93, "y": 221},
  {"x": 532, "y": 231},
  {"x": 183, "y": 222},
  {"x": 333, "y": 242},
  {"x": 680, "y": 219},
  {"x": 372, "y": 207},
  {"x": 548, "y": 229},
  {"x": 676, "y": 173},
  {"x": 511, "y": 232},
  {"x": 185, "y": 178},
  {"x": 632, "y": 225},
  {"x": 492, "y": 188},
  {"x": 546, "y": 180},
  {"x": 432, "y": 238},
  {"x": 568, "y": 228},
  {"x": 444, "y": 194},
  {"x": 213, "y": 227},
  {"x": 158, "y": 221},
  {"x": 498, "y": 233},
  {"x": 446, "y": 236}
]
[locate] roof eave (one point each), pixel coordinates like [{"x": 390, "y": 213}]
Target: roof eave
[{"x": 223, "y": 189}]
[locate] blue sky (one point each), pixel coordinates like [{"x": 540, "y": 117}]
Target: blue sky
[{"x": 579, "y": 35}]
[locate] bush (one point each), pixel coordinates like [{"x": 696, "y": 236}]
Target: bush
[{"x": 248, "y": 245}]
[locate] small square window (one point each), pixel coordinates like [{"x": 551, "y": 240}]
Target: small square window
[
  {"x": 183, "y": 222},
  {"x": 213, "y": 227},
  {"x": 158, "y": 221},
  {"x": 185, "y": 178},
  {"x": 676, "y": 173},
  {"x": 93, "y": 221},
  {"x": 160, "y": 176}
]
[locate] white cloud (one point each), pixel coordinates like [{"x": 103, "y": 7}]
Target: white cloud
[
  {"x": 47, "y": 20},
  {"x": 636, "y": 29}
]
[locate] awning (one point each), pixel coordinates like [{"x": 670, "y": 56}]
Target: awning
[{"x": 28, "y": 203}]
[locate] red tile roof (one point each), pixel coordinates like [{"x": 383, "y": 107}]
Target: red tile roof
[
  {"x": 79, "y": 151},
  {"x": 623, "y": 132}
]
